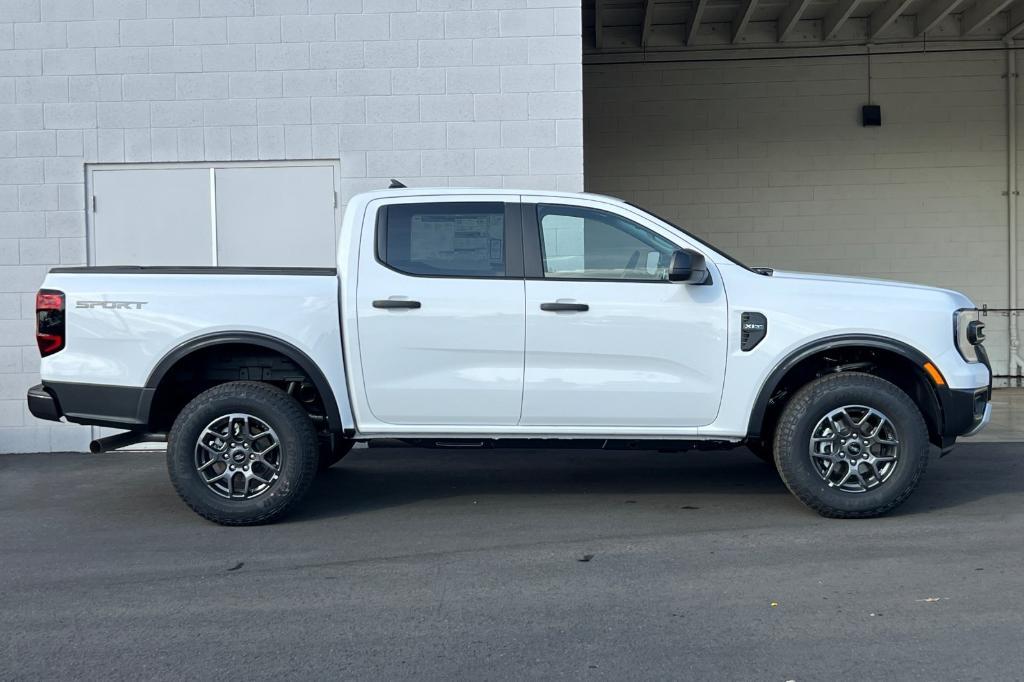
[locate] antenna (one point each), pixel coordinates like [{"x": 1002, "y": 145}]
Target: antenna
[{"x": 395, "y": 184}]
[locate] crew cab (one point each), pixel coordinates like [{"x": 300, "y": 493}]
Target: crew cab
[{"x": 493, "y": 318}]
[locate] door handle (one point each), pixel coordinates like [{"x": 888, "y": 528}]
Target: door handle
[
  {"x": 389, "y": 303},
  {"x": 565, "y": 307}
]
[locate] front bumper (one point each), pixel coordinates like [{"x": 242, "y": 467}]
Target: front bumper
[
  {"x": 985, "y": 419},
  {"x": 964, "y": 412}
]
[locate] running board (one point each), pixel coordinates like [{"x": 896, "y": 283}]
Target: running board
[{"x": 664, "y": 445}]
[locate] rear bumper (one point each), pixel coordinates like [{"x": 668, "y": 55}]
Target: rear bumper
[
  {"x": 120, "y": 407},
  {"x": 42, "y": 404}
]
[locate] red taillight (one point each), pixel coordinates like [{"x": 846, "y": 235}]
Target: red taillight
[{"x": 49, "y": 321}]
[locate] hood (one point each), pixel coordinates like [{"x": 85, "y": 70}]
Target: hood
[
  {"x": 947, "y": 296},
  {"x": 836, "y": 279}
]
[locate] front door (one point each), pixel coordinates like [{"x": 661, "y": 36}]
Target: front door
[
  {"x": 610, "y": 342},
  {"x": 440, "y": 312}
]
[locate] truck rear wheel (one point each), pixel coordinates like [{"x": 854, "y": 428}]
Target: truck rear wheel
[
  {"x": 851, "y": 445},
  {"x": 242, "y": 453}
]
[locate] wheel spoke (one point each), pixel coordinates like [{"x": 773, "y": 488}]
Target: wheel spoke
[
  {"x": 860, "y": 478},
  {"x": 264, "y": 451},
  {"x": 875, "y": 470},
  {"x": 218, "y": 477},
  {"x": 212, "y": 450}
]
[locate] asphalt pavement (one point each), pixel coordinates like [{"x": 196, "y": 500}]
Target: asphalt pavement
[{"x": 513, "y": 564}]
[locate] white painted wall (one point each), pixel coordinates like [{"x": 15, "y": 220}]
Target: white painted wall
[
  {"x": 768, "y": 160},
  {"x": 435, "y": 92}
]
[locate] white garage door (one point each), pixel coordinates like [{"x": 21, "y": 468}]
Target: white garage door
[{"x": 230, "y": 215}]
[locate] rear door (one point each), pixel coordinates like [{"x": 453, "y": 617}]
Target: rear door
[
  {"x": 610, "y": 342},
  {"x": 440, "y": 313}
]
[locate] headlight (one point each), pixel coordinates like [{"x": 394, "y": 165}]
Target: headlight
[{"x": 970, "y": 333}]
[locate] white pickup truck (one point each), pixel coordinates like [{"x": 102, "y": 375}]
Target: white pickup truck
[{"x": 500, "y": 318}]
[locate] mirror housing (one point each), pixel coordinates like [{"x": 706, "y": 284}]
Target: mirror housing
[{"x": 690, "y": 267}]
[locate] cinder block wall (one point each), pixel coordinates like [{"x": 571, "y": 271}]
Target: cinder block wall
[
  {"x": 435, "y": 92},
  {"x": 768, "y": 160}
]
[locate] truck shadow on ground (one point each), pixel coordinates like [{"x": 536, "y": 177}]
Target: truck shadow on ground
[{"x": 381, "y": 478}]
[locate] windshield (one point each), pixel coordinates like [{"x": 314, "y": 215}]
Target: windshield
[{"x": 690, "y": 235}]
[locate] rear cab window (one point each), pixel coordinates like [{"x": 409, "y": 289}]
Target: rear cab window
[{"x": 448, "y": 239}]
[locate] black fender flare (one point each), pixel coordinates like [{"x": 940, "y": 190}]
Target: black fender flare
[
  {"x": 305, "y": 363},
  {"x": 760, "y": 406}
]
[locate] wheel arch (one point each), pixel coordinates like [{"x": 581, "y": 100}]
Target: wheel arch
[
  {"x": 813, "y": 359},
  {"x": 190, "y": 348}
]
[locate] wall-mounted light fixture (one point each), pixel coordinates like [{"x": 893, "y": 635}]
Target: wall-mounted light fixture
[{"x": 870, "y": 114}]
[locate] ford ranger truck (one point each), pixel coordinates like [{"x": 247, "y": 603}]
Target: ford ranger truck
[{"x": 491, "y": 318}]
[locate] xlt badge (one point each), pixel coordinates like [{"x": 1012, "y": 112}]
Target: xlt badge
[{"x": 753, "y": 329}]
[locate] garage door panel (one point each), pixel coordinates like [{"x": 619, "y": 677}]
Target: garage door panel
[
  {"x": 152, "y": 217},
  {"x": 276, "y": 216}
]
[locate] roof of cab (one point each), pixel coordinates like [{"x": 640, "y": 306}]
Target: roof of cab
[{"x": 463, "y": 191}]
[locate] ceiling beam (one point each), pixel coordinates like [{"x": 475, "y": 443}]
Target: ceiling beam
[
  {"x": 739, "y": 23},
  {"x": 645, "y": 30},
  {"x": 884, "y": 17},
  {"x": 1016, "y": 23},
  {"x": 790, "y": 16},
  {"x": 932, "y": 15},
  {"x": 694, "y": 25},
  {"x": 981, "y": 12},
  {"x": 598, "y": 24},
  {"x": 836, "y": 17}
]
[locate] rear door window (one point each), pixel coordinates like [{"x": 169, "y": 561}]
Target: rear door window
[{"x": 444, "y": 239}]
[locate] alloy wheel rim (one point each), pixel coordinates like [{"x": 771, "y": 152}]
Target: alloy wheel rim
[
  {"x": 855, "y": 448},
  {"x": 238, "y": 456}
]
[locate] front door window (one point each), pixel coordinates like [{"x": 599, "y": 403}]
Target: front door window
[{"x": 584, "y": 243}]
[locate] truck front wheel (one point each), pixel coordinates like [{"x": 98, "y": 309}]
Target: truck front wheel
[
  {"x": 242, "y": 453},
  {"x": 851, "y": 445}
]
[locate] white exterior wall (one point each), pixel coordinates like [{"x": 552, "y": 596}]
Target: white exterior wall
[
  {"x": 434, "y": 92},
  {"x": 768, "y": 160}
]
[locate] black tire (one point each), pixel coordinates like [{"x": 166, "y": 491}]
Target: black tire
[
  {"x": 332, "y": 450},
  {"x": 819, "y": 398},
  {"x": 298, "y": 447}
]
